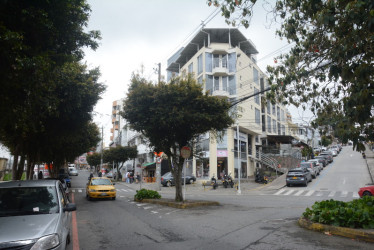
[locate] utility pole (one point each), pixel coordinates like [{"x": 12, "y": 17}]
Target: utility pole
[
  {"x": 158, "y": 157},
  {"x": 102, "y": 145}
]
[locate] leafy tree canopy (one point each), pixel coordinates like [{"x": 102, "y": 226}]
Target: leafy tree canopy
[
  {"x": 332, "y": 56},
  {"x": 172, "y": 114},
  {"x": 120, "y": 154},
  {"x": 94, "y": 159}
]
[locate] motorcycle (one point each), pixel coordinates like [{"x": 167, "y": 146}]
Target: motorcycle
[
  {"x": 213, "y": 182},
  {"x": 227, "y": 180},
  {"x": 261, "y": 179}
]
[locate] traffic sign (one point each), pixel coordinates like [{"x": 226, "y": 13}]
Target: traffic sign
[{"x": 185, "y": 152}]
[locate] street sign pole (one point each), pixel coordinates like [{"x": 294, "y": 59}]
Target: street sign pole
[
  {"x": 185, "y": 153},
  {"x": 158, "y": 173}
]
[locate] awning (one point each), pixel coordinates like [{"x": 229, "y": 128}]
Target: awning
[{"x": 149, "y": 165}]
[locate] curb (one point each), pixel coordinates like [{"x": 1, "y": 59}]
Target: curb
[
  {"x": 357, "y": 234},
  {"x": 181, "y": 205}
]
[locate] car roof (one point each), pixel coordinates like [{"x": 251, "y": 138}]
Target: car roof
[
  {"x": 96, "y": 178},
  {"x": 296, "y": 170},
  {"x": 28, "y": 183}
]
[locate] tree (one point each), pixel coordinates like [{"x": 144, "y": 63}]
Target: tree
[
  {"x": 94, "y": 160},
  {"x": 331, "y": 60},
  {"x": 119, "y": 155},
  {"x": 171, "y": 115},
  {"x": 46, "y": 95}
]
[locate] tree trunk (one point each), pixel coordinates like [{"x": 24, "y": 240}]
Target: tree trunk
[
  {"x": 21, "y": 167},
  {"x": 15, "y": 163},
  {"x": 178, "y": 179},
  {"x": 29, "y": 171}
]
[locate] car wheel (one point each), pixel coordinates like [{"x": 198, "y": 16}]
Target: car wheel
[
  {"x": 168, "y": 184},
  {"x": 306, "y": 184},
  {"x": 113, "y": 198},
  {"x": 367, "y": 193},
  {"x": 88, "y": 197},
  {"x": 288, "y": 185},
  {"x": 68, "y": 239}
]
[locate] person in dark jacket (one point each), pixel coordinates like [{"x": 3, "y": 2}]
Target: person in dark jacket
[{"x": 40, "y": 175}]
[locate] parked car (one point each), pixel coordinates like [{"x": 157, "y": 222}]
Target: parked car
[
  {"x": 298, "y": 176},
  {"x": 99, "y": 188},
  {"x": 34, "y": 214},
  {"x": 366, "y": 191},
  {"x": 73, "y": 171},
  {"x": 328, "y": 155},
  {"x": 167, "y": 179},
  {"x": 318, "y": 164},
  {"x": 311, "y": 167},
  {"x": 322, "y": 160}
]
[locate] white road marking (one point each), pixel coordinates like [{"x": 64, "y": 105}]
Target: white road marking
[
  {"x": 154, "y": 212},
  {"x": 299, "y": 192},
  {"x": 309, "y": 193},
  {"x": 355, "y": 195},
  {"x": 332, "y": 193},
  {"x": 124, "y": 190},
  {"x": 139, "y": 205},
  {"x": 344, "y": 194},
  {"x": 147, "y": 207},
  {"x": 319, "y": 194},
  {"x": 279, "y": 192},
  {"x": 289, "y": 192},
  {"x": 79, "y": 190},
  {"x": 344, "y": 181}
]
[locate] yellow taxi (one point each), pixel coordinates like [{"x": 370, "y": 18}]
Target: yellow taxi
[{"x": 100, "y": 187}]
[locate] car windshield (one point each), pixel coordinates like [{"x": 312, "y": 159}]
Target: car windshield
[
  {"x": 96, "y": 182},
  {"x": 167, "y": 175},
  {"x": 28, "y": 201},
  {"x": 305, "y": 165}
]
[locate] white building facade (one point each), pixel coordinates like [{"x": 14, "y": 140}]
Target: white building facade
[{"x": 224, "y": 62}]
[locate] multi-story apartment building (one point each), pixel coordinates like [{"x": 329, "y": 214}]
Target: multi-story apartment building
[{"x": 224, "y": 62}]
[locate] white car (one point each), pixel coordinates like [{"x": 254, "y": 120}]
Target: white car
[
  {"x": 318, "y": 164},
  {"x": 73, "y": 171}
]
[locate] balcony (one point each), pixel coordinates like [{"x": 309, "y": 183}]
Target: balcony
[
  {"x": 220, "y": 71},
  {"x": 221, "y": 93}
]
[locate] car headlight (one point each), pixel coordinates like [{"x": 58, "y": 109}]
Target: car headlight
[{"x": 47, "y": 242}]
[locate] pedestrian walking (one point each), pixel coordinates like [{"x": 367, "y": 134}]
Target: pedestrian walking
[
  {"x": 40, "y": 175},
  {"x": 127, "y": 177}
]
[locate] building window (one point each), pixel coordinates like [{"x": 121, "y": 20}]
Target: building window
[
  {"x": 278, "y": 113},
  {"x": 209, "y": 83},
  {"x": 208, "y": 62},
  {"x": 190, "y": 68},
  {"x": 283, "y": 130},
  {"x": 257, "y": 116},
  {"x": 232, "y": 62},
  {"x": 274, "y": 126},
  {"x": 200, "y": 64},
  {"x": 216, "y": 83},
  {"x": 273, "y": 110},
  {"x": 282, "y": 115},
  {"x": 225, "y": 83},
  {"x": 269, "y": 107},
  {"x": 257, "y": 97},
  {"x": 232, "y": 85},
  {"x": 255, "y": 76},
  {"x": 269, "y": 124},
  {"x": 279, "y": 129},
  {"x": 200, "y": 80},
  {"x": 215, "y": 61},
  {"x": 224, "y": 61}
]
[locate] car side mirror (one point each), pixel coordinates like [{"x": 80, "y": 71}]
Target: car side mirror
[{"x": 70, "y": 207}]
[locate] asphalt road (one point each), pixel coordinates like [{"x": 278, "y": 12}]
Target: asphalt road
[{"x": 254, "y": 220}]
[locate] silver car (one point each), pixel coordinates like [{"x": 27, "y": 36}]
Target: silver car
[
  {"x": 73, "y": 171},
  {"x": 34, "y": 214}
]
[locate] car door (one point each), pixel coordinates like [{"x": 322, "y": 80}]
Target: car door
[{"x": 65, "y": 220}]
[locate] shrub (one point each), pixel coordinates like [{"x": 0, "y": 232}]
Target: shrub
[
  {"x": 358, "y": 213},
  {"x": 146, "y": 194}
]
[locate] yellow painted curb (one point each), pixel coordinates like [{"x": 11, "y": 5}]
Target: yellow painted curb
[
  {"x": 182, "y": 205},
  {"x": 357, "y": 234}
]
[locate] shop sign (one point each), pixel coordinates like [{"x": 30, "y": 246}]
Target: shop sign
[{"x": 221, "y": 153}]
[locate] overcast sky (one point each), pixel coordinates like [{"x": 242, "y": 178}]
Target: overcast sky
[{"x": 148, "y": 32}]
